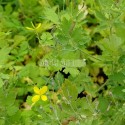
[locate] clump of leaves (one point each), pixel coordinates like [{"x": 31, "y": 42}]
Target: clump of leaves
[{"x": 54, "y": 44}]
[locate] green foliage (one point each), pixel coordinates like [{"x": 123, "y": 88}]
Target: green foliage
[{"x": 74, "y": 47}]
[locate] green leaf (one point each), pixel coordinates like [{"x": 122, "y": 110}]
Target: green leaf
[
  {"x": 8, "y": 8},
  {"x": 90, "y": 88},
  {"x": 64, "y": 55},
  {"x": 123, "y": 90},
  {"x": 106, "y": 4},
  {"x": 111, "y": 44},
  {"x": 3, "y": 37},
  {"x": 69, "y": 90},
  {"x": 30, "y": 70},
  {"x": 44, "y": 71},
  {"x": 122, "y": 59},
  {"x": 4, "y": 76},
  {"x": 100, "y": 15},
  {"x": 1, "y": 83},
  {"x": 78, "y": 36},
  {"x": 10, "y": 97},
  {"x": 59, "y": 78},
  {"x": 12, "y": 110},
  {"x": 4, "y": 55},
  {"x": 46, "y": 39},
  {"x": 118, "y": 93},
  {"x": 117, "y": 77},
  {"x": 65, "y": 27},
  {"x": 120, "y": 29},
  {"x": 7, "y": 97},
  {"x": 73, "y": 71},
  {"x": 2, "y": 121},
  {"x": 18, "y": 39},
  {"x": 103, "y": 104},
  {"x": 51, "y": 15},
  {"x": 29, "y": 100},
  {"x": 82, "y": 104}
]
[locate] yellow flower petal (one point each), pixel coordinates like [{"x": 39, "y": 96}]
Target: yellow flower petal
[
  {"x": 36, "y": 90},
  {"x": 44, "y": 97},
  {"x": 35, "y": 98},
  {"x": 28, "y": 28},
  {"x": 43, "y": 90},
  {"x": 38, "y": 26}
]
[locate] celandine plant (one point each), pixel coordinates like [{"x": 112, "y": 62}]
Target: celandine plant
[{"x": 62, "y": 62}]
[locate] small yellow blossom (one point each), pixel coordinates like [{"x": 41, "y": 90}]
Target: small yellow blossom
[
  {"x": 39, "y": 94},
  {"x": 36, "y": 29}
]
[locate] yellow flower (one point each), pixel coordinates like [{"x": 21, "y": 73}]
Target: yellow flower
[
  {"x": 39, "y": 94},
  {"x": 36, "y": 29}
]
